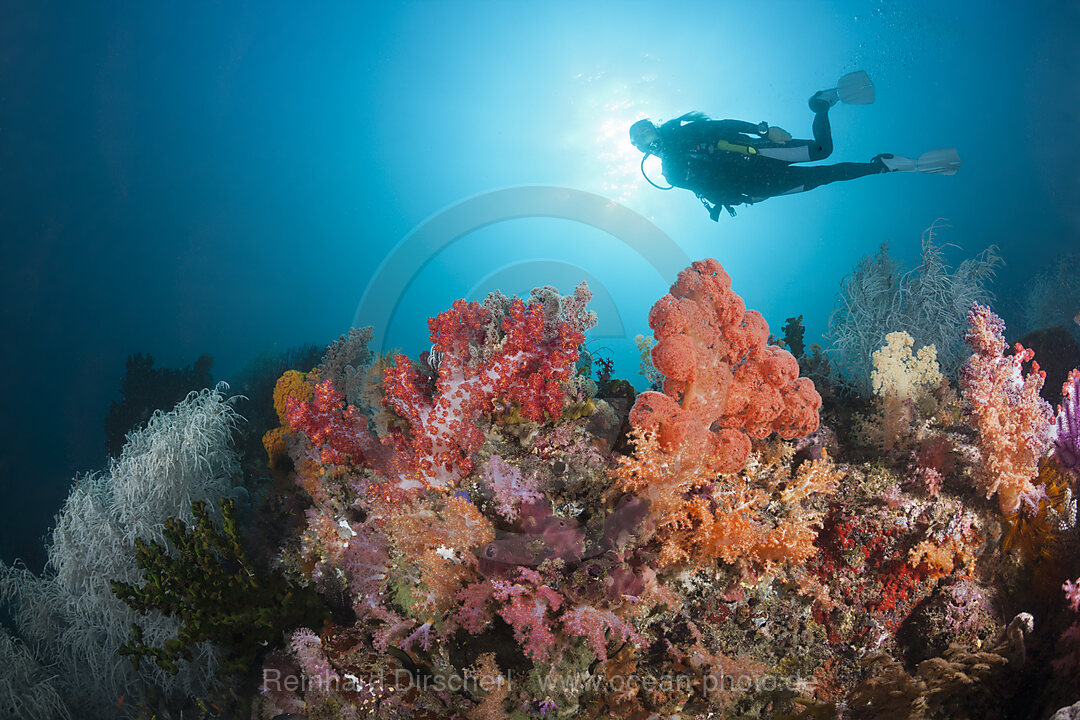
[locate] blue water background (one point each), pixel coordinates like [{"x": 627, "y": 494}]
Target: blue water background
[{"x": 225, "y": 178}]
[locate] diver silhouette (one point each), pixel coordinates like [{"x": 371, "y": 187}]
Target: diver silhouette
[{"x": 733, "y": 162}]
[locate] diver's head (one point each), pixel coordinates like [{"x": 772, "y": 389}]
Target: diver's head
[{"x": 644, "y": 136}]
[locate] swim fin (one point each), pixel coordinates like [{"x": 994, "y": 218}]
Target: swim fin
[
  {"x": 855, "y": 88},
  {"x": 945, "y": 161}
]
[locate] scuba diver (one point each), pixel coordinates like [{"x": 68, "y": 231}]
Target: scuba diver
[{"x": 732, "y": 162}]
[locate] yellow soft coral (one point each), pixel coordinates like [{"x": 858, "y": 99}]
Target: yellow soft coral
[
  {"x": 276, "y": 449},
  {"x": 291, "y": 384}
]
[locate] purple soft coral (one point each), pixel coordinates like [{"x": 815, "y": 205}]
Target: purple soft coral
[
  {"x": 1067, "y": 442},
  {"x": 509, "y": 487},
  {"x": 1072, "y": 593},
  {"x": 364, "y": 563}
]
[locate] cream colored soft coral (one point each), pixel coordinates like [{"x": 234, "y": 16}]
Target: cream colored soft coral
[
  {"x": 902, "y": 379},
  {"x": 900, "y": 372}
]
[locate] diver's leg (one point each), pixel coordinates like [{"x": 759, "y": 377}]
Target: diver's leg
[
  {"x": 795, "y": 179},
  {"x": 794, "y": 151},
  {"x": 812, "y": 177},
  {"x": 822, "y": 147}
]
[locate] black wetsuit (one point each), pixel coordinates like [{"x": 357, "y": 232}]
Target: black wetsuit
[{"x": 741, "y": 170}]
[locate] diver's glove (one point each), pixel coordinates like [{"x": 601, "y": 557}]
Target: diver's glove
[{"x": 778, "y": 135}]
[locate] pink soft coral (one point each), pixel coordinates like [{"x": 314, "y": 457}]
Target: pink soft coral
[
  {"x": 364, "y": 563},
  {"x": 1069, "y": 662},
  {"x": 1013, "y": 421},
  {"x": 307, "y": 649},
  {"x": 1072, "y": 593},
  {"x": 509, "y": 487},
  {"x": 526, "y": 608},
  {"x": 595, "y": 624}
]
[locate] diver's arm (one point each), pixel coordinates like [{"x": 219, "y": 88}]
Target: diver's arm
[
  {"x": 708, "y": 132},
  {"x": 727, "y": 128}
]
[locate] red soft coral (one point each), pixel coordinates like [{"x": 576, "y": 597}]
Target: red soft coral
[
  {"x": 525, "y": 366},
  {"x": 339, "y": 433},
  {"x": 338, "y": 430},
  {"x": 520, "y": 354}
]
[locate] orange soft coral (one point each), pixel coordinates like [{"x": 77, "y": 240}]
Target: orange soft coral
[
  {"x": 697, "y": 516},
  {"x": 437, "y": 536},
  {"x": 720, "y": 373},
  {"x": 723, "y": 386},
  {"x": 277, "y": 449},
  {"x": 494, "y": 688}
]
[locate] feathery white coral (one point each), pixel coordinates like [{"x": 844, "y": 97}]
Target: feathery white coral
[{"x": 69, "y": 618}]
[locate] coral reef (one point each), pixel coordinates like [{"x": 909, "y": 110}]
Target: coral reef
[
  {"x": 962, "y": 684},
  {"x": 484, "y": 524},
  {"x": 501, "y": 527}
]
